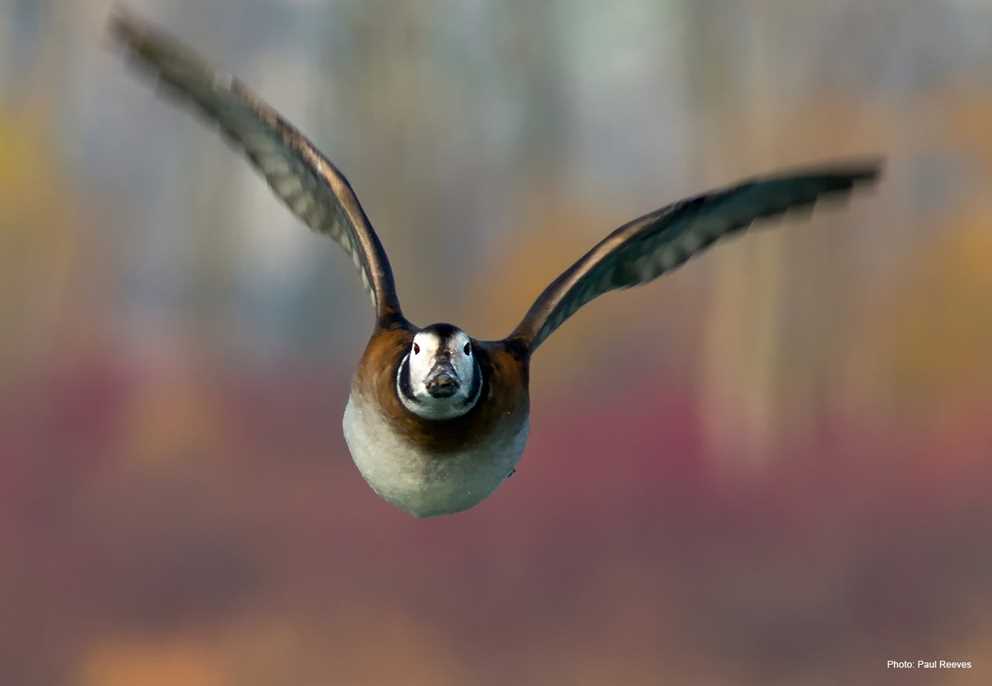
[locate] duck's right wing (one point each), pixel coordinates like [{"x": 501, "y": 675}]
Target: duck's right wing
[{"x": 307, "y": 182}]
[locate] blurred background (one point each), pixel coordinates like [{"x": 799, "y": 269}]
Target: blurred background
[{"x": 771, "y": 467}]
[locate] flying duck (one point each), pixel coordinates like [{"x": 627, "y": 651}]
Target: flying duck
[{"x": 437, "y": 419}]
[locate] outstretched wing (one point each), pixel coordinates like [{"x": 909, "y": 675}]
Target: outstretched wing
[
  {"x": 299, "y": 174},
  {"x": 658, "y": 242}
]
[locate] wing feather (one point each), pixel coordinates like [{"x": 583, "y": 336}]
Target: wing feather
[
  {"x": 658, "y": 242},
  {"x": 306, "y": 182}
]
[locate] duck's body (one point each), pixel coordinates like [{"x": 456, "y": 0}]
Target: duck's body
[
  {"x": 431, "y": 467},
  {"x": 436, "y": 420},
  {"x": 423, "y": 482}
]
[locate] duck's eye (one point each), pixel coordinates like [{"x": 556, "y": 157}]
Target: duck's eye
[
  {"x": 468, "y": 348},
  {"x": 416, "y": 349}
]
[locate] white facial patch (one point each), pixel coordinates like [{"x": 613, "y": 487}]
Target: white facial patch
[{"x": 431, "y": 354}]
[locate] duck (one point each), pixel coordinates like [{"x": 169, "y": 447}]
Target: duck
[{"x": 436, "y": 420}]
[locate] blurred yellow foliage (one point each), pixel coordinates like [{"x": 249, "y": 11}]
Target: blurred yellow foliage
[
  {"x": 967, "y": 115},
  {"x": 930, "y": 338},
  {"x": 260, "y": 650},
  {"x": 156, "y": 661},
  {"x": 37, "y": 239}
]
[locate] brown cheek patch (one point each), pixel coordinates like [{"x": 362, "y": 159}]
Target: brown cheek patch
[{"x": 499, "y": 413}]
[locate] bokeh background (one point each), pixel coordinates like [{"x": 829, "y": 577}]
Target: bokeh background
[{"x": 772, "y": 467}]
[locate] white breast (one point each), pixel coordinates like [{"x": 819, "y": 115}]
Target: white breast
[{"x": 420, "y": 482}]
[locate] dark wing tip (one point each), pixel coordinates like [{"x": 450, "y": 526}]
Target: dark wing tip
[
  {"x": 122, "y": 22},
  {"x": 851, "y": 172},
  {"x": 815, "y": 184},
  {"x": 153, "y": 48},
  {"x": 863, "y": 171},
  {"x": 129, "y": 31},
  {"x": 870, "y": 170}
]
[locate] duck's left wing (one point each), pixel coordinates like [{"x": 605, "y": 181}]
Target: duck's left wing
[
  {"x": 649, "y": 246},
  {"x": 306, "y": 181}
]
